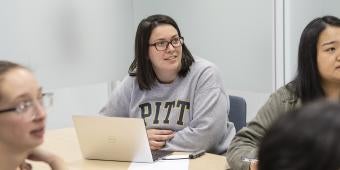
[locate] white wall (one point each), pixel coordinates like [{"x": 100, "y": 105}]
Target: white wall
[
  {"x": 68, "y": 43},
  {"x": 7, "y": 31},
  {"x": 297, "y": 15},
  {"x": 77, "y": 42},
  {"x": 84, "y": 99},
  {"x": 76, "y": 47}
]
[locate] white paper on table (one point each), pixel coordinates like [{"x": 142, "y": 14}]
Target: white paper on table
[
  {"x": 181, "y": 164},
  {"x": 170, "y": 157}
]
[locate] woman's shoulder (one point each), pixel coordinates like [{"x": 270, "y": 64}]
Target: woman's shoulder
[
  {"x": 129, "y": 79},
  {"x": 203, "y": 66},
  {"x": 287, "y": 94},
  {"x": 203, "y": 63},
  {"x": 128, "y": 82},
  {"x": 205, "y": 74}
]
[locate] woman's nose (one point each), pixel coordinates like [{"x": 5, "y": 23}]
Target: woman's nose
[
  {"x": 39, "y": 111},
  {"x": 170, "y": 47}
]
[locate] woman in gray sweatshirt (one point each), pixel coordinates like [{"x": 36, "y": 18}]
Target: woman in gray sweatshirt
[{"x": 180, "y": 98}]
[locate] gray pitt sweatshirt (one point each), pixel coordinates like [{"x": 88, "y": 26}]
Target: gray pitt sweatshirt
[{"x": 195, "y": 107}]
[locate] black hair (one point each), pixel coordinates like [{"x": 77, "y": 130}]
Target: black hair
[
  {"x": 308, "y": 80},
  {"x": 141, "y": 67},
  {"x": 307, "y": 138}
]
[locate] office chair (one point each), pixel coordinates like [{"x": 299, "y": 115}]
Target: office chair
[{"x": 238, "y": 111}]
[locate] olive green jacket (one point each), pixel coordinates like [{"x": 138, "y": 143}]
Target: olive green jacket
[{"x": 247, "y": 140}]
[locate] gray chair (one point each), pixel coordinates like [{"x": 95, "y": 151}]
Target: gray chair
[{"x": 238, "y": 111}]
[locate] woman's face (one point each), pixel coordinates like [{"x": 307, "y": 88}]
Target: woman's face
[
  {"x": 328, "y": 55},
  {"x": 169, "y": 60},
  {"x": 20, "y": 131}
]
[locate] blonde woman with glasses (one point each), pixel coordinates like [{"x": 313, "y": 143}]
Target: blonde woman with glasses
[{"x": 22, "y": 119}]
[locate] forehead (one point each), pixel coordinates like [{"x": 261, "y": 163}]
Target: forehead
[
  {"x": 17, "y": 82},
  {"x": 329, "y": 34},
  {"x": 164, "y": 31}
]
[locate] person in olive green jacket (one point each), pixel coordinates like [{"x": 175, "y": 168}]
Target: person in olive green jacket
[{"x": 318, "y": 76}]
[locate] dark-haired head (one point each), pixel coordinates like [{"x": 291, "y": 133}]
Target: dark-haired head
[
  {"x": 141, "y": 65},
  {"x": 308, "y": 80},
  {"x": 307, "y": 138}
]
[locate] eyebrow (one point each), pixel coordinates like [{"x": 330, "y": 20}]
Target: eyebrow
[
  {"x": 175, "y": 36},
  {"x": 21, "y": 97},
  {"x": 162, "y": 39},
  {"x": 328, "y": 43},
  {"x": 25, "y": 95}
]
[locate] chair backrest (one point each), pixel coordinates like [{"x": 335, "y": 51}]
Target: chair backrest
[{"x": 238, "y": 111}]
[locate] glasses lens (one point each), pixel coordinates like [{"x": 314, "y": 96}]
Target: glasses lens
[
  {"x": 25, "y": 109},
  {"x": 176, "y": 42},
  {"x": 161, "y": 45},
  {"x": 23, "y": 106},
  {"x": 47, "y": 100}
]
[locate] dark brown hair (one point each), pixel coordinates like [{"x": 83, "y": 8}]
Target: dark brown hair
[
  {"x": 308, "y": 80},
  {"x": 141, "y": 67},
  {"x": 306, "y": 138}
]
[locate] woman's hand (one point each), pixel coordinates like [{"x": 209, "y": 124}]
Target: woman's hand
[
  {"x": 157, "y": 138},
  {"x": 55, "y": 162}
]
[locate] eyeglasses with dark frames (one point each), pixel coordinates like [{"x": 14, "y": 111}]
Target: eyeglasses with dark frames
[{"x": 163, "y": 45}]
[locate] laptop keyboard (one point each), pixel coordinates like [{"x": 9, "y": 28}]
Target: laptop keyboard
[{"x": 158, "y": 154}]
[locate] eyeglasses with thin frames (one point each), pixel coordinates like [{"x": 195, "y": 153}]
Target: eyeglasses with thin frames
[
  {"x": 163, "y": 45},
  {"x": 25, "y": 108}
]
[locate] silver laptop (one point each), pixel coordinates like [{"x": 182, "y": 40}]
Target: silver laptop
[{"x": 114, "y": 138}]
